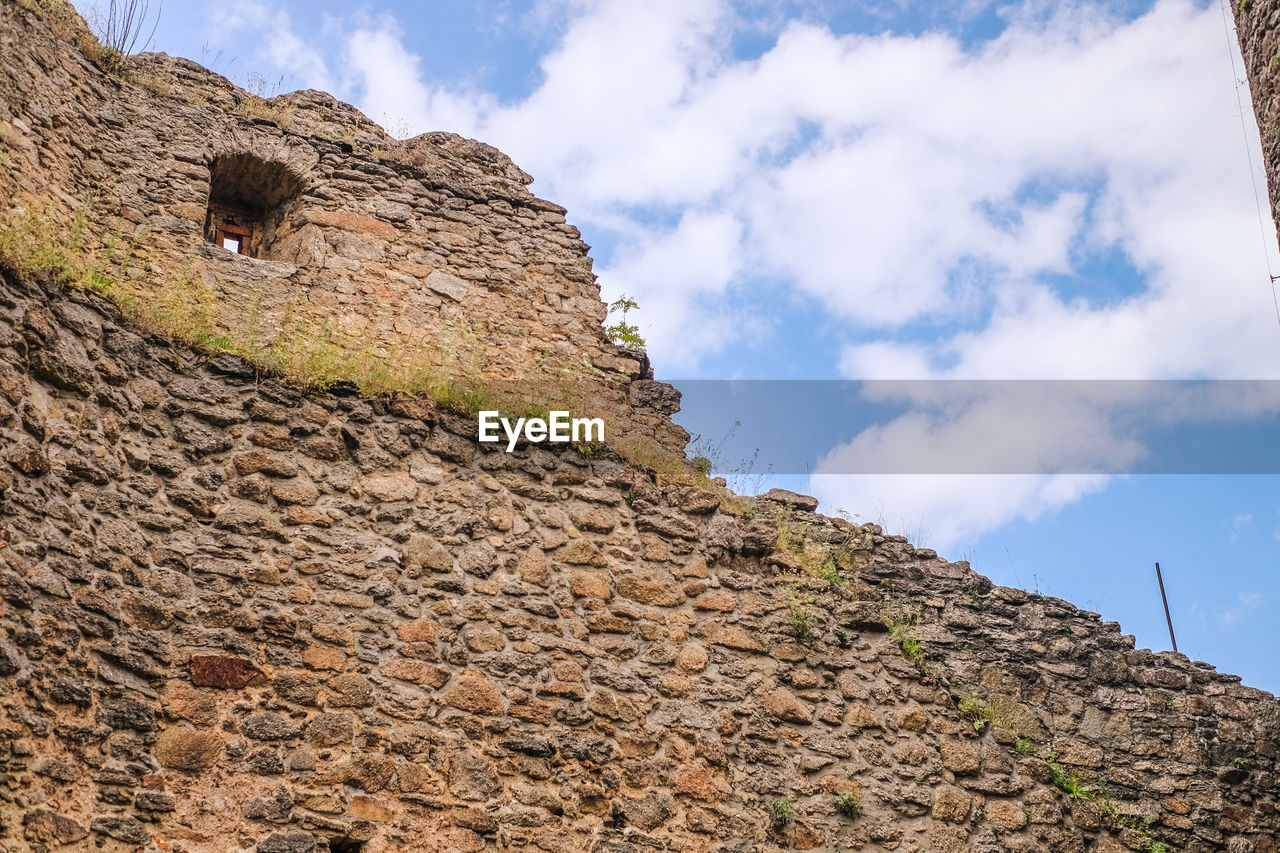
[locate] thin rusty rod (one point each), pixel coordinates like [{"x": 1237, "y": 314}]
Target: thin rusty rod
[{"x": 1167, "y": 617}]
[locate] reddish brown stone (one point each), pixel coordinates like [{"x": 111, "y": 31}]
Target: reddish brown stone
[
  {"x": 471, "y": 691},
  {"x": 653, "y": 586},
  {"x": 718, "y": 600},
  {"x": 350, "y": 690},
  {"x": 959, "y": 756},
  {"x": 581, "y": 553},
  {"x": 317, "y": 656},
  {"x": 699, "y": 780},
  {"x": 950, "y": 803},
  {"x": 29, "y": 460},
  {"x": 615, "y": 706},
  {"x": 732, "y": 636},
  {"x": 266, "y": 462},
  {"x": 534, "y": 569},
  {"x": 44, "y": 826},
  {"x": 590, "y": 585},
  {"x": 307, "y": 515},
  {"x": 415, "y": 671},
  {"x": 367, "y": 808},
  {"x": 532, "y": 710},
  {"x": 692, "y": 659},
  {"x": 368, "y": 772},
  {"x": 226, "y": 672},
  {"x": 780, "y": 703},
  {"x": 183, "y": 701},
  {"x": 416, "y": 632}
]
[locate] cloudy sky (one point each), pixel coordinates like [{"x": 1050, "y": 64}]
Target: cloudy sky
[{"x": 887, "y": 189}]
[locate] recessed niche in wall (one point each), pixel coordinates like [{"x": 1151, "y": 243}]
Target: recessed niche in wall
[
  {"x": 346, "y": 846},
  {"x": 250, "y": 200}
]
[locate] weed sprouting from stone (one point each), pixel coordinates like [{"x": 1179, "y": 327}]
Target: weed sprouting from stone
[
  {"x": 849, "y": 804},
  {"x": 801, "y": 618}
]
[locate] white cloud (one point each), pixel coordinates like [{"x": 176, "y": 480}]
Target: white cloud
[
  {"x": 869, "y": 173},
  {"x": 901, "y": 182},
  {"x": 684, "y": 273},
  {"x": 287, "y": 50},
  {"x": 280, "y": 45},
  {"x": 390, "y": 81},
  {"x": 971, "y": 445},
  {"x": 1246, "y": 602},
  {"x": 894, "y": 179},
  {"x": 950, "y": 511},
  {"x": 1008, "y": 428},
  {"x": 961, "y": 431}
]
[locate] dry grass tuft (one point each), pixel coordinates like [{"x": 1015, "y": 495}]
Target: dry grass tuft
[{"x": 61, "y": 246}]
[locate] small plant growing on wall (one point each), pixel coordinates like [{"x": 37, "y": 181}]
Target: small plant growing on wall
[
  {"x": 1070, "y": 783},
  {"x": 622, "y": 332},
  {"x": 849, "y": 804},
  {"x": 801, "y": 618},
  {"x": 784, "y": 810}
]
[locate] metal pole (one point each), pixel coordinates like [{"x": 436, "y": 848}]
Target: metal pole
[{"x": 1167, "y": 617}]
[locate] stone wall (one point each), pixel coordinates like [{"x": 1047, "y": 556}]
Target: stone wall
[
  {"x": 1258, "y": 28},
  {"x": 237, "y": 616},
  {"x": 240, "y": 617},
  {"x": 433, "y": 246}
]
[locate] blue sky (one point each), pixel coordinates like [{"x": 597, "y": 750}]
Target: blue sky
[{"x": 885, "y": 189}]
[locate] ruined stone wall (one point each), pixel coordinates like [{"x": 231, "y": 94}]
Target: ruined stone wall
[
  {"x": 240, "y": 617},
  {"x": 433, "y": 246},
  {"x": 237, "y": 616},
  {"x": 1258, "y": 28}
]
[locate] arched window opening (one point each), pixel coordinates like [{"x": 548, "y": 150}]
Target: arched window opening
[{"x": 249, "y": 200}]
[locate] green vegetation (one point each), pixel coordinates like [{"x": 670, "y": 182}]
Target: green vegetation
[
  {"x": 1070, "y": 783},
  {"x": 113, "y": 62},
  {"x": 976, "y": 712},
  {"x": 822, "y": 560},
  {"x": 622, "y": 332},
  {"x": 801, "y": 617},
  {"x": 849, "y": 804},
  {"x": 981, "y": 714},
  {"x": 784, "y": 810},
  {"x": 279, "y": 114},
  {"x": 1096, "y": 791},
  {"x": 1141, "y": 829},
  {"x": 37, "y": 243},
  {"x": 901, "y": 625},
  {"x": 47, "y": 243},
  {"x": 44, "y": 241}
]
